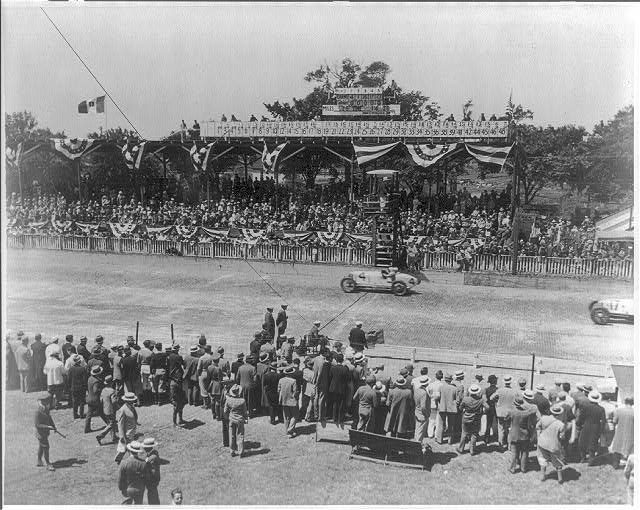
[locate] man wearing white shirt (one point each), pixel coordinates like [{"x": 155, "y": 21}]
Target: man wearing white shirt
[{"x": 55, "y": 371}]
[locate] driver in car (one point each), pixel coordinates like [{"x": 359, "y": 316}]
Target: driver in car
[{"x": 390, "y": 274}]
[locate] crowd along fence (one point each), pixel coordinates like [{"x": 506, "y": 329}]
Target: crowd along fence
[{"x": 446, "y": 261}]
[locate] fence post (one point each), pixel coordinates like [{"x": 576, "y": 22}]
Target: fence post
[
  {"x": 60, "y": 242},
  {"x": 413, "y": 355},
  {"x": 533, "y": 367}
]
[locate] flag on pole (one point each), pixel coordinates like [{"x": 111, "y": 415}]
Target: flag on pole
[
  {"x": 95, "y": 105},
  {"x": 488, "y": 154},
  {"x": 14, "y": 155},
  {"x": 269, "y": 158}
]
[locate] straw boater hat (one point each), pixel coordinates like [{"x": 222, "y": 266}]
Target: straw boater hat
[
  {"x": 556, "y": 410},
  {"x": 540, "y": 388},
  {"x": 358, "y": 357},
  {"x": 580, "y": 386},
  {"x": 134, "y": 447},
  {"x": 474, "y": 389},
  {"x": 96, "y": 370},
  {"x": 273, "y": 365},
  {"x": 129, "y": 397},
  {"x": 358, "y": 323},
  {"x": 400, "y": 382},
  {"x": 289, "y": 370},
  {"x": 448, "y": 377},
  {"x": 240, "y": 355},
  {"x": 264, "y": 356},
  {"x": 459, "y": 375},
  {"x": 194, "y": 349},
  {"x": 594, "y": 396},
  {"x": 528, "y": 395},
  {"x": 235, "y": 390},
  {"x": 149, "y": 443},
  {"x": 176, "y": 347},
  {"x": 77, "y": 359},
  {"x": 96, "y": 350},
  {"x": 507, "y": 380},
  {"x": 108, "y": 379},
  {"x": 317, "y": 323},
  {"x": 423, "y": 380}
]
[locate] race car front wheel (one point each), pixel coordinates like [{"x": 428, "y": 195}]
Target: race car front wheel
[
  {"x": 600, "y": 315},
  {"x": 399, "y": 289},
  {"x": 348, "y": 285}
]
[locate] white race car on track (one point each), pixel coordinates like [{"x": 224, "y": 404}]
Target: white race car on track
[
  {"x": 381, "y": 279},
  {"x": 604, "y": 310}
]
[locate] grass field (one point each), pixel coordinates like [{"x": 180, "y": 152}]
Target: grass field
[{"x": 59, "y": 293}]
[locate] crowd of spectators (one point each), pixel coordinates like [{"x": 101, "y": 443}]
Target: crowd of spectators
[{"x": 447, "y": 222}]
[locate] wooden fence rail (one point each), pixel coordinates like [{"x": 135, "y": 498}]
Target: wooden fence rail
[{"x": 324, "y": 255}]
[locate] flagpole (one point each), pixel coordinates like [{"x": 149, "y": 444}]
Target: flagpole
[{"x": 106, "y": 124}]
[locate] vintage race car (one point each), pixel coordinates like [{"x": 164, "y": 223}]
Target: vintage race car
[
  {"x": 605, "y": 310},
  {"x": 381, "y": 279}
]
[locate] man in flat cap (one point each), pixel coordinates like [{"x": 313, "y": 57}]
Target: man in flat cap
[
  {"x": 82, "y": 348},
  {"x": 357, "y": 338},
  {"x": 313, "y": 338},
  {"x": 191, "y": 375}
]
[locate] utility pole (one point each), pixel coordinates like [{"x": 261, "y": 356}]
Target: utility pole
[{"x": 515, "y": 211}]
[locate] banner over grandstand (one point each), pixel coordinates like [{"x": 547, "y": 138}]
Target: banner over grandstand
[{"x": 359, "y": 129}]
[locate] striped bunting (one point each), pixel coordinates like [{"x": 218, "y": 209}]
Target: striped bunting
[
  {"x": 425, "y": 155},
  {"x": 366, "y": 152},
  {"x": 488, "y": 154},
  {"x": 269, "y": 159}
]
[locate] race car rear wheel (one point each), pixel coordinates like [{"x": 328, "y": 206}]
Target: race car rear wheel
[
  {"x": 348, "y": 285},
  {"x": 600, "y": 315},
  {"x": 399, "y": 288}
]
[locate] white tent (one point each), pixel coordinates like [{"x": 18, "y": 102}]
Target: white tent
[{"x": 617, "y": 227}]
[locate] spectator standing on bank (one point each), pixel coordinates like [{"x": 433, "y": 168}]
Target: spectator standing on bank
[
  {"x": 152, "y": 459},
  {"x": 472, "y": 407},
  {"x": 491, "y": 429},
  {"x": 133, "y": 475},
  {"x": 422, "y": 406},
  {"x": 523, "y": 425},
  {"x": 447, "y": 410},
  {"x": 551, "y": 431},
  {"x": 235, "y": 411},
  {"x": 401, "y": 417},
  {"x": 44, "y": 425},
  {"x": 622, "y": 444},
  {"x": 78, "y": 377},
  {"x": 38, "y": 360},
  {"x": 504, "y": 398},
  {"x": 366, "y": 399},
  {"x": 591, "y": 421},
  {"x": 109, "y": 401},
  {"x": 24, "y": 360},
  {"x": 288, "y": 393},
  {"x": 127, "y": 420},
  {"x": 282, "y": 320}
]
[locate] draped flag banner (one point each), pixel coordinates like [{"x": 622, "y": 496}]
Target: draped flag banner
[
  {"x": 133, "y": 154},
  {"x": 300, "y": 237},
  {"x": 327, "y": 238},
  {"x": 252, "y": 235},
  {"x": 74, "y": 148},
  {"x": 215, "y": 233},
  {"x": 187, "y": 231},
  {"x": 13, "y": 155},
  {"x": 95, "y": 105},
  {"x": 159, "y": 230},
  {"x": 269, "y": 159},
  {"x": 425, "y": 155},
  {"x": 488, "y": 154},
  {"x": 61, "y": 226},
  {"x": 369, "y": 152},
  {"x": 38, "y": 225},
  {"x": 362, "y": 238},
  {"x": 87, "y": 228},
  {"x": 122, "y": 229}
]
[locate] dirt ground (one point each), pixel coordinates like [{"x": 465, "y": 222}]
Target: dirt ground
[{"x": 88, "y": 294}]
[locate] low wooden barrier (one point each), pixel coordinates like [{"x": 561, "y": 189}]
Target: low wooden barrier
[
  {"x": 385, "y": 446},
  {"x": 622, "y": 269}
]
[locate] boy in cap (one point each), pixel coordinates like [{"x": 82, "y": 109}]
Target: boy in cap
[
  {"x": 551, "y": 432},
  {"x": 44, "y": 425},
  {"x": 472, "y": 407}
]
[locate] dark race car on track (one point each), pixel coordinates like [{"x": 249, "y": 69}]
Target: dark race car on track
[{"x": 606, "y": 310}]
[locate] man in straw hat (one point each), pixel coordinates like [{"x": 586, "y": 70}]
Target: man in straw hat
[
  {"x": 551, "y": 431},
  {"x": 473, "y": 407},
  {"x": 504, "y": 398},
  {"x": 44, "y": 425},
  {"x": 288, "y": 393},
  {"x": 77, "y": 385},
  {"x": 591, "y": 421},
  {"x": 422, "y": 404},
  {"x": 133, "y": 475},
  {"x": 235, "y": 411},
  {"x": 127, "y": 420},
  {"x": 153, "y": 470}
]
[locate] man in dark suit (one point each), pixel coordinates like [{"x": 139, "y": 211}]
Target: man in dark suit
[
  {"x": 158, "y": 367},
  {"x": 447, "y": 409},
  {"x": 77, "y": 386},
  {"x": 94, "y": 388},
  {"x": 591, "y": 421},
  {"x": 38, "y": 360},
  {"x": 339, "y": 376},
  {"x": 256, "y": 343},
  {"x": 281, "y": 320},
  {"x": 269, "y": 324},
  {"x": 357, "y": 338},
  {"x": 247, "y": 379},
  {"x": 130, "y": 371},
  {"x": 82, "y": 348},
  {"x": 321, "y": 374},
  {"x": 270, "y": 392},
  {"x": 523, "y": 425},
  {"x": 236, "y": 365},
  {"x": 68, "y": 348},
  {"x": 191, "y": 375}
]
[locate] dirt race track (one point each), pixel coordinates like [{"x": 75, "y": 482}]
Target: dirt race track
[{"x": 88, "y": 294}]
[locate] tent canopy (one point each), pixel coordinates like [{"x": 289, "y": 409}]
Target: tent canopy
[{"x": 616, "y": 227}]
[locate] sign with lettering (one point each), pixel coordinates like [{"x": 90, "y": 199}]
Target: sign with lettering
[
  {"x": 334, "y": 110},
  {"x": 356, "y": 91},
  {"x": 359, "y": 129}
]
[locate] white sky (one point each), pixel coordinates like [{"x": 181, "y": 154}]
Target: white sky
[{"x": 162, "y": 63}]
